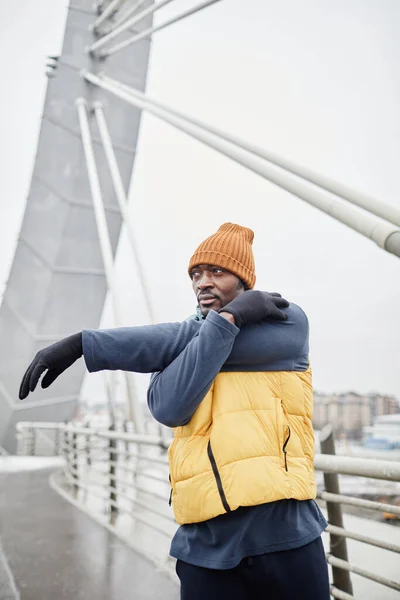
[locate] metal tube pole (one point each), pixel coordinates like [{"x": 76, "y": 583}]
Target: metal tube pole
[
  {"x": 100, "y": 4},
  {"x": 387, "y": 470},
  {"x": 338, "y": 545},
  {"x": 105, "y": 247},
  {"x": 125, "y": 16},
  {"x": 122, "y": 200},
  {"x": 367, "y": 225},
  {"x": 364, "y": 201},
  {"x": 127, "y": 24},
  {"x": 112, "y": 468},
  {"x": 148, "y": 32},
  {"x": 123, "y": 204},
  {"x": 74, "y": 464},
  {"x": 107, "y": 12}
]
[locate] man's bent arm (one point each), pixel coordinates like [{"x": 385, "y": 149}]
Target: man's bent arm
[{"x": 175, "y": 393}]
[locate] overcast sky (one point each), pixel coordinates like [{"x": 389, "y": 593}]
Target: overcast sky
[{"x": 315, "y": 81}]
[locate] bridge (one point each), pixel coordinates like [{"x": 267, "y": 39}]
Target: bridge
[{"x": 85, "y": 508}]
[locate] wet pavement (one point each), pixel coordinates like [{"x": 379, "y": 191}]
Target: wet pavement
[{"x": 57, "y": 552}]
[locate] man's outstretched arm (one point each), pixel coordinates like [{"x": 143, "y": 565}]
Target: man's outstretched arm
[{"x": 140, "y": 349}]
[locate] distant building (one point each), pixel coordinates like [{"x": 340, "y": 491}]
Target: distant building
[
  {"x": 384, "y": 433},
  {"x": 349, "y": 413}
]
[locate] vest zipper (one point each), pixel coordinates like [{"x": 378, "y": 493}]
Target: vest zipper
[
  {"x": 217, "y": 478},
  {"x": 170, "y": 495},
  {"x": 284, "y": 448}
]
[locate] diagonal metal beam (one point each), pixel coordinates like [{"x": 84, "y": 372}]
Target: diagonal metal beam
[
  {"x": 149, "y": 32},
  {"x": 386, "y": 235},
  {"x": 106, "y": 249},
  {"x": 125, "y": 15},
  {"x": 373, "y": 205},
  {"x": 122, "y": 201},
  {"x": 126, "y": 25},
  {"x": 106, "y": 13}
]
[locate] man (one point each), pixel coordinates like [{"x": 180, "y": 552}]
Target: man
[{"x": 235, "y": 384}]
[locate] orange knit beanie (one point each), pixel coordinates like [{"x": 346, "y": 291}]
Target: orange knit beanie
[{"x": 229, "y": 248}]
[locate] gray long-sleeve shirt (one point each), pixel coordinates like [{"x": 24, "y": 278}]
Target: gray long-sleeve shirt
[
  {"x": 185, "y": 359},
  {"x": 189, "y": 355}
]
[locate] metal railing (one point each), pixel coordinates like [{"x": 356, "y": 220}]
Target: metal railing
[{"x": 121, "y": 478}]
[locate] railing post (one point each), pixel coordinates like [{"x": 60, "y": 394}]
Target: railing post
[
  {"x": 113, "y": 484},
  {"x": 338, "y": 546},
  {"x": 32, "y": 446},
  {"x": 75, "y": 460},
  {"x": 88, "y": 448},
  {"x": 57, "y": 441}
]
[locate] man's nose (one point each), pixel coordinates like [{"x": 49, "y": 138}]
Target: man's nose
[{"x": 205, "y": 282}]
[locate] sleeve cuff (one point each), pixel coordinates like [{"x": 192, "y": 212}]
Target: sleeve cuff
[
  {"x": 219, "y": 321},
  {"x": 88, "y": 351}
]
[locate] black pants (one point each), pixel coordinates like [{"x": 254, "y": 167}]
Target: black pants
[{"x": 299, "y": 574}]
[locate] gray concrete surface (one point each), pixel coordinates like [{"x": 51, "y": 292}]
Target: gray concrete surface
[
  {"x": 8, "y": 589},
  {"x": 56, "y": 552}
]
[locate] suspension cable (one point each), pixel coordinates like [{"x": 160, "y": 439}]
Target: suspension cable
[
  {"x": 106, "y": 249},
  {"x": 127, "y": 24},
  {"x": 386, "y": 235},
  {"x": 151, "y": 30},
  {"x": 364, "y": 201}
]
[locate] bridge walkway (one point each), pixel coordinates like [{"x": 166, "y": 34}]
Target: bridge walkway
[{"x": 53, "y": 551}]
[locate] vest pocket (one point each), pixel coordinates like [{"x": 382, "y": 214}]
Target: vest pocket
[
  {"x": 285, "y": 443},
  {"x": 217, "y": 478},
  {"x": 284, "y": 431}
]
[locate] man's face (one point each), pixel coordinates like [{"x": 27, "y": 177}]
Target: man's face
[{"x": 214, "y": 287}]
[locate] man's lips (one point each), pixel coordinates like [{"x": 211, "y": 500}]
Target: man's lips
[{"x": 207, "y": 300}]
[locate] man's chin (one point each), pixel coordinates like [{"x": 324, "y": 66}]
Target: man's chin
[{"x": 206, "y": 309}]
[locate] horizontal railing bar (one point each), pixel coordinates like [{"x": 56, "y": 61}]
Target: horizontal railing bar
[
  {"x": 386, "y": 470},
  {"x": 344, "y": 465},
  {"x": 38, "y": 425},
  {"x": 361, "y": 502},
  {"x": 93, "y": 450},
  {"x": 106, "y": 473},
  {"x": 154, "y": 510},
  {"x": 151, "y": 476},
  {"x": 83, "y": 452},
  {"x": 342, "y": 564},
  {"x": 108, "y": 489},
  {"x": 362, "y": 538},
  {"x": 340, "y": 594},
  {"x": 89, "y": 488},
  {"x": 114, "y": 476},
  {"x": 117, "y": 465},
  {"x": 120, "y": 508},
  {"x": 147, "y": 440},
  {"x": 153, "y": 493},
  {"x": 134, "y": 438},
  {"x": 140, "y": 488}
]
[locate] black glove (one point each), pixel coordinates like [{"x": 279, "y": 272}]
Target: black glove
[
  {"x": 55, "y": 358},
  {"x": 254, "y": 306}
]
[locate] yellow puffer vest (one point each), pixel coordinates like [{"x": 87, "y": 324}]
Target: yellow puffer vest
[{"x": 250, "y": 441}]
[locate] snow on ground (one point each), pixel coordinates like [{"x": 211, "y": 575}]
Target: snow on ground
[{"x": 12, "y": 464}]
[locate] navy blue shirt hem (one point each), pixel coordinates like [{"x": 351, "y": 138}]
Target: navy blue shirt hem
[{"x": 232, "y": 563}]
